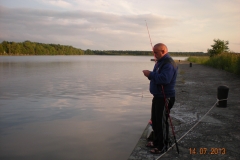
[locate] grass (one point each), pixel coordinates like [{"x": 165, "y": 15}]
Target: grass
[
  {"x": 200, "y": 60},
  {"x": 227, "y": 61}
]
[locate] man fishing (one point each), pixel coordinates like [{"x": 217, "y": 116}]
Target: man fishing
[{"x": 162, "y": 83}]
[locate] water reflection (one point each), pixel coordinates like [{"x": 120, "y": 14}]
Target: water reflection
[{"x": 69, "y": 107}]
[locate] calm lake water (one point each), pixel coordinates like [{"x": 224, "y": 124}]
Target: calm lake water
[{"x": 72, "y": 107}]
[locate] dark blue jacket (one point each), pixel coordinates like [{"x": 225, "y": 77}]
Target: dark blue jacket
[{"x": 164, "y": 73}]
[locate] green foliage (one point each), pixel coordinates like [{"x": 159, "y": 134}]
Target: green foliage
[
  {"x": 1, "y": 48},
  {"x": 138, "y": 53},
  {"x": 5, "y": 47},
  {"x": 226, "y": 61},
  {"x": 219, "y": 46},
  {"x": 197, "y": 59},
  {"x": 88, "y": 52},
  {"x": 34, "y": 48},
  {"x": 29, "y": 47},
  {"x": 237, "y": 66}
]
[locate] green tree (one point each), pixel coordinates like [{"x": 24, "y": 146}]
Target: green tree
[
  {"x": 22, "y": 49},
  {"x": 219, "y": 46},
  {"x": 88, "y": 52},
  {"x": 1, "y": 49},
  {"x": 5, "y": 46},
  {"x": 39, "y": 50},
  {"x": 34, "y": 48},
  {"x": 15, "y": 48},
  {"x": 29, "y": 47}
]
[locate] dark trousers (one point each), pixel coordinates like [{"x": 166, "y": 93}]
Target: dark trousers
[{"x": 159, "y": 116}]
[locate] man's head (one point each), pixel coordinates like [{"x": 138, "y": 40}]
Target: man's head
[{"x": 160, "y": 50}]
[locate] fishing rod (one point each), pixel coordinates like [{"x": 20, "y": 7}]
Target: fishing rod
[
  {"x": 155, "y": 59},
  {"x": 166, "y": 104},
  {"x": 193, "y": 126},
  {"x": 170, "y": 120}
]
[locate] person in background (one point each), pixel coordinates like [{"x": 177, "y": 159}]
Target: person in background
[{"x": 162, "y": 87}]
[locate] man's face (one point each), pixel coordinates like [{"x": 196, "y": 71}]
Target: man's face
[{"x": 158, "y": 52}]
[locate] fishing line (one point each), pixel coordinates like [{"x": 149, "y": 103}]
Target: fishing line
[
  {"x": 149, "y": 34},
  {"x": 166, "y": 105},
  {"x": 151, "y": 46},
  {"x": 151, "y": 42}
]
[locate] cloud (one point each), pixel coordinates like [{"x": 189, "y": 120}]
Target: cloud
[
  {"x": 82, "y": 28},
  {"x": 58, "y": 3},
  {"x": 110, "y": 24}
]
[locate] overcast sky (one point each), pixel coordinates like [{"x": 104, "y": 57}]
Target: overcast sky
[{"x": 183, "y": 25}]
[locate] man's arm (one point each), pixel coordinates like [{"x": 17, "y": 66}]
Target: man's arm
[
  {"x": 165, "y": 76},
  {"x": 146, "y": 73}
]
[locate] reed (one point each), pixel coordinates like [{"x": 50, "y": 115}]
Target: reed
[
  {"x": 227, "y": 61},
  {"x": 198, "y": 59}
]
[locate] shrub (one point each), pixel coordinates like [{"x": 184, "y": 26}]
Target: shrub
[{"x": 226, "y": 61}]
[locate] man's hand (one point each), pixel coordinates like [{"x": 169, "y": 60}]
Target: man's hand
[{"x": 146, "y": 73}]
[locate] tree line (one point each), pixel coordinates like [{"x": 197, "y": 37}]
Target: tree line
[
  {"x": 220, "y": 57},
  {"x": 143, "y": 53},
  {"x": 35, "y": 48}
]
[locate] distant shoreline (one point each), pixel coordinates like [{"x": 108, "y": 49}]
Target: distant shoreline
[
  {"x": 28, "y": 48},
  {"x": 175, "y": 58},
  {"x": 91, "y": 55}
]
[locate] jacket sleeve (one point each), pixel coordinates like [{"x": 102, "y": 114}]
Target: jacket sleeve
[
  {"x": 164, "y": 76},
  {"x": 149, "y": 77}
]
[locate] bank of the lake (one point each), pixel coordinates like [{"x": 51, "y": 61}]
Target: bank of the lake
[{"x": 217, "y": 134}]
